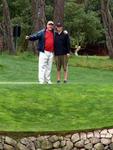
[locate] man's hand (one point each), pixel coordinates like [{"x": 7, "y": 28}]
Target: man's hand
[
  {"x": 27, "y": 37},
  {"x": 68, "y": 55}
]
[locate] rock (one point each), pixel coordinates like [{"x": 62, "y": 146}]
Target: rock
[
  {"x": 40, "y": 138},
  {"x": 37, "y": 144},
  {"x": 0, "y": 139},
  {"x": 46, "y": 144},
  {"x": 74, "y": 148},
  {"x": 95, "y": 140},
  {"x": 96, "y": 134},
  {"x": 8, "y": 147},
  {"x": 89, "y": 146},
  {"x": 105, "y": 141},
  {"x": 83, "y": 136},
  {"x": 99, "y": 146},
  {"x": 60, "y": 138},
  {"x": 90, "y": 135},
  {"x": 68, "y": 136},
  {"x": 110, "y": 131},
  {"x": 111, "y": 146},
  {"x": 21, "y": 147},
  {"x": 1, "y": 146},
  {"x": 67, "y": 139},
  {"x": 75, "y": 138},
  {"x": 79, "y": 144},
  {"x": 46, "y": 137},
  {"x": 24, "y": 141},
  {"x": 103, "y": 135},
  {"x": 56, "y": 144},
  {"x": 33, "y": 139},
  {"x": 106, "y": 148},
  {"x": 53, "y": 138},
  {"x": 28, "y": 143},
  {"x": 108, "y": 135},
  {"x": 10, "y": 141},
  {"x": 3, "y": 138},
  {"x": 63, "y": 143},
  {"x": 31, "y": 146},
  {"x": 69, "y": 146},
  {"x": 104, "y": 131},
  {"x": 86, "y": 141}
]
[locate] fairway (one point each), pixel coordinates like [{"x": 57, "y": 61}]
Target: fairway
[{"x": 85, "y": 102}]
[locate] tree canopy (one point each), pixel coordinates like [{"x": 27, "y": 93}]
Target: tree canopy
[{"x": 82, "y": 18}]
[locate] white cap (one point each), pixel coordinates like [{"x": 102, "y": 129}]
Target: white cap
[{"x": 50, "y": 22}]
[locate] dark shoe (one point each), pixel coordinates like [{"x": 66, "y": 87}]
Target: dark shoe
[
  {"x": 58, "y": 81},
  {"x": 65, "y": 81}
]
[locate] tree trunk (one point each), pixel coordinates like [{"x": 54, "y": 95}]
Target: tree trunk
[
  {"x": 38, "y": 17},
  {"x": 1, "y": 38},
  {"x": 38, "y": 14},
  {"x": 58, "y": 11},
  {"x": 8, "y": 34},
  {"x": 108, "y": 25}
]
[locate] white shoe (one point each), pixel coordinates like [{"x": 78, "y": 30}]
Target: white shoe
[
  {"x": 49, "y": 82},
  {"x": 41, "y": 82}
]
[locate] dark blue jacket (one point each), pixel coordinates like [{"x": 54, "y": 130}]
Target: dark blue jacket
[
  {"x": 62, "y": 43},
  {"x": 40, "y": 36}
]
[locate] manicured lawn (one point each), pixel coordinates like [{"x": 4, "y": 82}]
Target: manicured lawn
[{"x": 85, "y": 102}]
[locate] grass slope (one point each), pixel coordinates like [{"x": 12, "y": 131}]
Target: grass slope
[{"x": 85, "y": 102}]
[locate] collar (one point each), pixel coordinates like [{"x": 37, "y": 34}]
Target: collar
[{"x": 59, "y": 32}]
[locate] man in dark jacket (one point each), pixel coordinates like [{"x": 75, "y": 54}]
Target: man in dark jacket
[
  {"x": 62, "y": 50},
  {"x": 46, "y": 49}
]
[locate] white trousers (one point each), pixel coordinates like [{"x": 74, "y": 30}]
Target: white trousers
[{"x": 45, "y": 66}]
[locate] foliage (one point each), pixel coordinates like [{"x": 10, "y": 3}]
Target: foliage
[
  {"x": 84, "y": 27},
  {"x": 49, "y": 11},
  {"x": 83, "y": 23}
]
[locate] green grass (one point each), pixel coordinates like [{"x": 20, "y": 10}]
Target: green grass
[{"x": 86, "y": 102}]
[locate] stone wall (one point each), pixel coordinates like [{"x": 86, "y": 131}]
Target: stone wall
[{"x": 93, "y": 140}]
